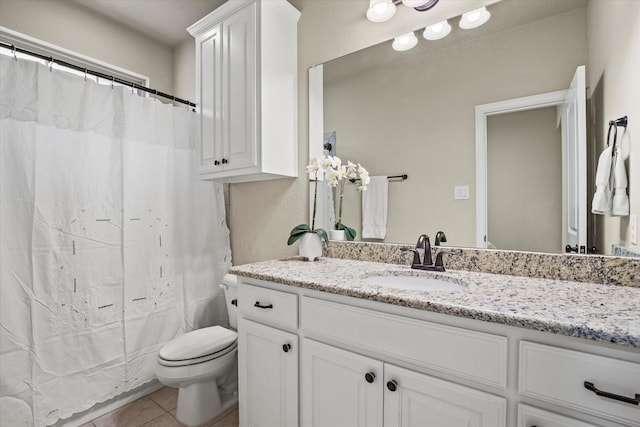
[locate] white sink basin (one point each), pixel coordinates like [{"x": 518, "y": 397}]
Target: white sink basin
[{"x": 414, "y": 283}]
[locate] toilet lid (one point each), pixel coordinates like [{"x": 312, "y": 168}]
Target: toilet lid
[{"x": 198, "y": 343}]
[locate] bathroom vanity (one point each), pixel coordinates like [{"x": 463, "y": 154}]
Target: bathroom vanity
[{"x": 321, "y": 344}]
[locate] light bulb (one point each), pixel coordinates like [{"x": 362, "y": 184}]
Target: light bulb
[
  {"x": 437, "y": 31},
  {"x": 405, "y": 42},
  {"x": 474, "y": 18},
  {"x": 414, "y": 3},
  {"x": 380, "y": 10}
]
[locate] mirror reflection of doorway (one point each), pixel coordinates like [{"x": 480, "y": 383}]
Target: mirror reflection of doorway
[{"x": 524, "y": 177}]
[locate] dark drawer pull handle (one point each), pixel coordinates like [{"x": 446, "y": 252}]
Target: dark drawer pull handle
[
  {"x": 257, "y": 304},
  {"x": 625, "y": 399},
  {"x": 392, "y": 385},
  {"x": 286, "y": 347},
  {"x": 234, "y": 302}
]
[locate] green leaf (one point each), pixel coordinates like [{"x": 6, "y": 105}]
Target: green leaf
[
  {"x": 350, "y": 233},
  {"x": 302, "y": 228},
  {"x": 295, "y": 237},
  {"x": 297, "y": 233},
  {"x": 323, "y": 234}
]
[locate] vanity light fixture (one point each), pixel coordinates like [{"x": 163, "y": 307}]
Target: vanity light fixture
[
  {"x": 380, "y": 10},
  {"x": 405, "y": 41},
  {"x": 475, "y": 18},
  {"x": 437, "y": 31}
]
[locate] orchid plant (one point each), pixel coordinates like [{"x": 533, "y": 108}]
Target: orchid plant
[
  {"x": 317, "y": 165},
  {"x": 338, "y": 175}
]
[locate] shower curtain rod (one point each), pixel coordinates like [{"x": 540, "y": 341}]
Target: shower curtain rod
[{"x": 85, "y": 70}]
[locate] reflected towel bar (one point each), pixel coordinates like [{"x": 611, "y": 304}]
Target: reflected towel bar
[{"x": 401, "y": 177}]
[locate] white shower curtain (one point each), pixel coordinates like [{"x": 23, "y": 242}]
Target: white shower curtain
[{"x": 110, "y": 245}]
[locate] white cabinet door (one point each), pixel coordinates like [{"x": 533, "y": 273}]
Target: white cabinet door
[
  {"x": 239, "y": 90},
  {"x": 247, "y": 90},
  {"x": 339, "y": 388},
  {"x": 268, "y": 376},
  {"x": 412, "y": 399},
  {"x": 209, "y": 86}
]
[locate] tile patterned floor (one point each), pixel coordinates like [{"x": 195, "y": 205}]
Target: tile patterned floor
[{"x": 157, "y": 409}]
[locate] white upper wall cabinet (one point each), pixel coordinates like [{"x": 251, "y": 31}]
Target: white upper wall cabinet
[{"x": 246, "y": 90}]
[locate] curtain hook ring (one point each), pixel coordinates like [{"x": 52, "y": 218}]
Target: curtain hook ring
[
  {"x": 14, "y": 53},
  {"x": 51, "y": 63},
  {"x": 132, "y": 88},
  {"x": 85, "y": 74},
  {"x": 112, "y": 79}
]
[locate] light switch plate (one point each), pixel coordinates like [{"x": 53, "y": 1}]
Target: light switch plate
[
  {"x": 461, "y": 192},
  {"x": 633, "y": 229}
]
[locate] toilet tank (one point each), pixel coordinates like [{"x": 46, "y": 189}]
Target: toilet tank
[{"x": 230, "y": 287}]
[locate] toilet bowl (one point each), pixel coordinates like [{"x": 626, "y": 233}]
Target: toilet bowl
[{"x": 199, "y": 363}]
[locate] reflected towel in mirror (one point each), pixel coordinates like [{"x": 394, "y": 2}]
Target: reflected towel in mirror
[{"x": 374, "y": 208}]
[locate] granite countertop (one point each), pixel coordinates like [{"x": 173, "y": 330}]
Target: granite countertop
[{"x": 597, "y": 312}]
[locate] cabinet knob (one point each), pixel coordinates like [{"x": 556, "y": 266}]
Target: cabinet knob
[
  {"x": 370, "y": 377},
  {"x": 392, "y": 385},
  {"x": 216, "y": 162},
  {"x": 286, "y": 347},
  {"x": 225, "y": 161}
]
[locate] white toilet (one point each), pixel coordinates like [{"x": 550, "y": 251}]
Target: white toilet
[{"x": 203, "y": 365}]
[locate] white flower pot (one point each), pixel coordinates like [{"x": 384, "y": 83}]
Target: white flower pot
[
  {"x": 310, "y": 247},
  {"x": 336, "y": 235}
]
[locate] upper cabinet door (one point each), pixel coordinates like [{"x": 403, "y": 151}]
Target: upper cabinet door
[
  {"x": 339, "y": 388},
  {"x": 246, "y": 94},
  {"x": 239, "y": 90},
  {"x": 209, "y": 85},
  {"x": 416, "y": 400}
]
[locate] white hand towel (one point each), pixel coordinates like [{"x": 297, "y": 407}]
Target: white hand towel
[
  {"x": 602, "y": 197},
  {"x": 620, "y": 198},
  {"x": 374, "y": 208}
]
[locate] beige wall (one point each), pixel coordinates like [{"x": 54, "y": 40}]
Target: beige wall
[
  {"x": 614, "y": 81},
  {"x": 415, "y": 114},
  {"x": 524, "y": 179},
  {"x": 71, "y": 26}
]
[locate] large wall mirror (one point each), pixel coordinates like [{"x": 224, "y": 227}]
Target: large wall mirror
[{"x": 413, "y": 113}]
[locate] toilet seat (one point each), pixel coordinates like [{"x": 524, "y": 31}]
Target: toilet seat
[{"x": 199, "y": 346}]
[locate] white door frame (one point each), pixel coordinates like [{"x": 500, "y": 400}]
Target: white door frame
[{"x": 483, "y": 111}]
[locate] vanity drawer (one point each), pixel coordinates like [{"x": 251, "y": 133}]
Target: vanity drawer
[
  {"x": 528, "y": 416},
  {"x": 438, "y": 347},
  {"x": 558, "y": 375},
  {"x": 271, "y": 307}
]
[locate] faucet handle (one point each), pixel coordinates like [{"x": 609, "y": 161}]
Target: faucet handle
[
  {"x": 416, "y": 254},
  {"x": 439, "y": 262}
]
